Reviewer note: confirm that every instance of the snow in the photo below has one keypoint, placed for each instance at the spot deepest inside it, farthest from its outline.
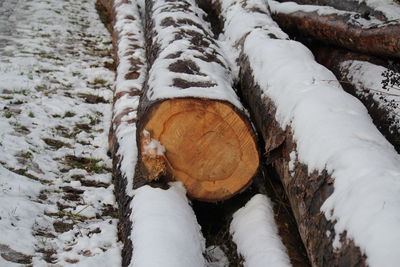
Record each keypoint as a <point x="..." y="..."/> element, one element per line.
<point x="292" y="162"/>
<point x="255" y="233"/>
<point x="165" y="229"/>
<point x="389" y="8"/>
<point x="333" y="132"/>
<point x="367" y="76"/>
<point x="354" y="17"/>
<point x="153" y="147"/>
<point x="53" y="138"/>
<point x="216" y="257"/>
<point x="161" y="78"/>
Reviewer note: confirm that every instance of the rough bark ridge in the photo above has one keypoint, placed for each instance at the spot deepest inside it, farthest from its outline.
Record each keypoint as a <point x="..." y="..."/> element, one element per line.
<point x="305" y="191"/>
<point x="188" y="105"/>
<point x="342" y="29"/>
<point x="382" y="116"/>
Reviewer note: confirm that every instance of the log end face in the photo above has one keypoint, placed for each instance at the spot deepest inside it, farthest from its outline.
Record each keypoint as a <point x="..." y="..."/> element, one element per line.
<point x="209" y="147"/>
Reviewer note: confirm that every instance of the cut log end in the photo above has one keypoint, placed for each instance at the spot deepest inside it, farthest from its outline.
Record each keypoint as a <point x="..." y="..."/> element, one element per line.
<point x="209" y="147"/>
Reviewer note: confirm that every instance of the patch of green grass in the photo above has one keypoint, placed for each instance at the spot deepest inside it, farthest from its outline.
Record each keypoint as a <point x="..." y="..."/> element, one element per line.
<point x="25" y="155"/>
<point x="69" y="114"/>
<point x="45" y="71"/>
<point x="6" y="97"/>
<point x="94" y="120"/>
<point x="21" y="92"/>
<point x="93" y="99"/>
<point x="55" y="144"/>
<point x="24" y="172"/>
<point x="65" y="132"/>
<point x="8" y="114"/>
<point x="19" y="128"/>
<point x="31" y="115"/>
<point x="89" y="164"/>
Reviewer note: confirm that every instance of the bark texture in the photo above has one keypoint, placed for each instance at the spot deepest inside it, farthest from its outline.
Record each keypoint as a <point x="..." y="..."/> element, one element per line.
<point x="380" y="40"/>
<point x="382" y="116"/>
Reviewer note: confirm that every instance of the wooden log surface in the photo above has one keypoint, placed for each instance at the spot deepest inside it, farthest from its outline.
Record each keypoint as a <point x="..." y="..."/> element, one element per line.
<point x="129" y="58"/>
<point x="364" y="8"/>
<point x="361" y="76"/>
<point x="271" y="78"/>
<point x="342" y="28"/>
<point x="190" y="110"/>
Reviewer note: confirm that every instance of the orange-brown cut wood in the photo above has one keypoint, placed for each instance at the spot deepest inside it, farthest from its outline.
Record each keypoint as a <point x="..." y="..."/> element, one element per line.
<point x="210" y="148"/>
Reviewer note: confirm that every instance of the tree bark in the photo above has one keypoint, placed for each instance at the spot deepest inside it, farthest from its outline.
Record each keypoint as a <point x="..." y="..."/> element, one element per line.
<point x="341" y="29"/>
<point x="384" y="112"/>
<point x="189" y="107"/>
<point x="306" y="191"/>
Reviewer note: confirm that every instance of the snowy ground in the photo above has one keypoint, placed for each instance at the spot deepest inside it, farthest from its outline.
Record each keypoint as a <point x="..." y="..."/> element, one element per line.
<point x="55" y="92"/>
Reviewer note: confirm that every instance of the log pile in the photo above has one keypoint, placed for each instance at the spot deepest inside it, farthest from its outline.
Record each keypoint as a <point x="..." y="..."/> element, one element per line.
<point x="270" y="91"/>
<point x="177" y="116"/>
<point x="357" y="30"/>
<point x="365" y="38"/>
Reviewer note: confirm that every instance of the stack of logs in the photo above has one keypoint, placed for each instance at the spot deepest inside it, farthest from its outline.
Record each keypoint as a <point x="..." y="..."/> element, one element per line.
<point x="343" y="33"/>
<point x="191" y="126"/>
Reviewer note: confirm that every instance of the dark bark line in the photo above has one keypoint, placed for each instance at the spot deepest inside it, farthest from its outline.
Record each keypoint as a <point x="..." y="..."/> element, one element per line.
<point x="348" y="5"/>
<point x="123" y="114"/>
<point x="381" y="40"/>
<point x="306" y="192"/>
<point x="385" y="120"/>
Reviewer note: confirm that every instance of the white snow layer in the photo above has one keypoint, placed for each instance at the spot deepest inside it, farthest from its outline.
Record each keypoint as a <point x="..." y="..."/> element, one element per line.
<point x="166" y="233"/>
<point x="153" y="147"/>
<point x="256" y="235"/>
<point x="333" y="131"/>
<point x="130" y="49"/>
<point x="161" y="79"/>
<point x="367" y="76"/>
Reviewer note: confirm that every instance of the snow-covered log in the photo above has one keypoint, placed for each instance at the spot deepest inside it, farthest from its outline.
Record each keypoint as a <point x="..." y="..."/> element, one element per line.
<point x="128" y="42"/>
<point x="385" y="10"/>
<point x="165" y="230"/>
<point x="363" y="77"/>
<point x="192" y="125"/>
<point x="255" y="233"/>
<point x="347" y="29"/>
<point x="341" y="175"/>
<point x="157" y="227"/>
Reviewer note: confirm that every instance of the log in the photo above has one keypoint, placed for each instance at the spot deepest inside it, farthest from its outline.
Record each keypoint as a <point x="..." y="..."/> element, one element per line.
<point x="383" y="10"/>
<point x="192" y="127"/>
<point x="362" y="76"/>
<point x="129" y="57"/>
<point x="341" y="28"/>
<point x="311" y="129"/>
